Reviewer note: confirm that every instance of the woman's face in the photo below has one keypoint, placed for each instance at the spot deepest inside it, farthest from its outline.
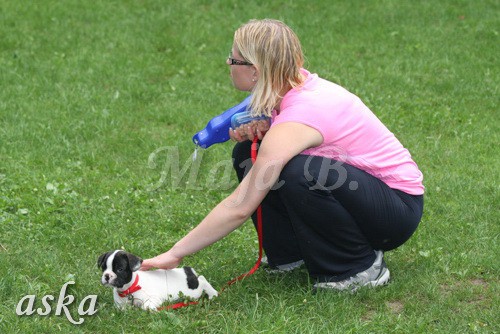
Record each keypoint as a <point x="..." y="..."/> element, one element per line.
<point x="244" y="76"/>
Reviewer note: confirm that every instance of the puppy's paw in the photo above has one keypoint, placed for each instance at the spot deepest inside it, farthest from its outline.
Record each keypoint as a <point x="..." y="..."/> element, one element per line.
<point x="213" y="294"/>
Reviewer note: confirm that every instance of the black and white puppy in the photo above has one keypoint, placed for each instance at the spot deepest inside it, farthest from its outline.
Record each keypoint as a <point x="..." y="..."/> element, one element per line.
<point x="149" y="289"/>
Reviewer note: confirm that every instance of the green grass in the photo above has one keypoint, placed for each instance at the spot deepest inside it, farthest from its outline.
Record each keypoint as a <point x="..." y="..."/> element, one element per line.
<point x="89" y="90"/>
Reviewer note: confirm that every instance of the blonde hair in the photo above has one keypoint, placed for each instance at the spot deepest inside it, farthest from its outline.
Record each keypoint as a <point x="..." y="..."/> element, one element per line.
<point x="275" y="51"/>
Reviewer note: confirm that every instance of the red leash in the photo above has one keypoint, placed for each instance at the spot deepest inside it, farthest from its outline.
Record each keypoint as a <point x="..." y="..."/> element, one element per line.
<point x="176" y="306"/>
<point x="253" y="154"/>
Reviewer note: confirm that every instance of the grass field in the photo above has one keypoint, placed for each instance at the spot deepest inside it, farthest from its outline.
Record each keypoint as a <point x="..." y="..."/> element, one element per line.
<point x="94" y="96"/>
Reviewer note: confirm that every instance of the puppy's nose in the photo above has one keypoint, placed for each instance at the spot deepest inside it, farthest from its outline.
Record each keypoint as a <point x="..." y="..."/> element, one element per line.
<point x="106" y="277"/>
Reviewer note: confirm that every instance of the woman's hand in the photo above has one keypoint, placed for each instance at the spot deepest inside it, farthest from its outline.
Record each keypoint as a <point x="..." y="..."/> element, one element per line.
<point x="249" y="130"/>
<point x="163" y="261"/>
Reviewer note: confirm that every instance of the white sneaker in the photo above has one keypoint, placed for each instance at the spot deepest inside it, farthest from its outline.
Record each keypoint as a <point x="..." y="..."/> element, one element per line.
<point x="281" y="268"/>
<point x="376" y="275"/>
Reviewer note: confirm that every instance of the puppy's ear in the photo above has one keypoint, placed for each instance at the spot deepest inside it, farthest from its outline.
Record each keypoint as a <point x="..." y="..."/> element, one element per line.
<point x="102" y="260"/>
<point x="134" y="262"/>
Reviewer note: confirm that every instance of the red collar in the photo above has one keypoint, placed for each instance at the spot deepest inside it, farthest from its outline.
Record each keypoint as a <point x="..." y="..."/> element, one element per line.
<point x="133" y="288"/>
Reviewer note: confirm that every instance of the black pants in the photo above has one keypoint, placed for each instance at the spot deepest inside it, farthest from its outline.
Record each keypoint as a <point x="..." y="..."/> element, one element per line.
<point x="330" y="214"/>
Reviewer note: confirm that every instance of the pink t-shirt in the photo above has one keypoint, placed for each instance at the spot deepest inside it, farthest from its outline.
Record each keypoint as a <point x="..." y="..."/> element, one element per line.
<point x="351" y="132"/>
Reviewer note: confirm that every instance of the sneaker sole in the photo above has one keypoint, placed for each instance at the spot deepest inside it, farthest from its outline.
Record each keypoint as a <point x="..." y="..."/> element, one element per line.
<point x="287" y="268"/>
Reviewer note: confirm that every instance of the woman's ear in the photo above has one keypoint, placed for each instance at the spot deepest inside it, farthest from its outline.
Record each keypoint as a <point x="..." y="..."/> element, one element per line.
<point x="255" y="74"/>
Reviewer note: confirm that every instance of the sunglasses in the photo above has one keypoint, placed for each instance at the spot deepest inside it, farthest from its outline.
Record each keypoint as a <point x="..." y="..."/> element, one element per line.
<point x="232" y="61"/>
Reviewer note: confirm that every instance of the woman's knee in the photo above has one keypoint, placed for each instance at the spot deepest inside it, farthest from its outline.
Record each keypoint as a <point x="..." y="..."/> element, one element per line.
<point x="241" y="152"/>
<point x="241" y="158"/>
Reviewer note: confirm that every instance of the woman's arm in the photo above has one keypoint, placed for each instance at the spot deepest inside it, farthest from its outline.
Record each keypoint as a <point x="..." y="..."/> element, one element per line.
<point x="280" y="144"/>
